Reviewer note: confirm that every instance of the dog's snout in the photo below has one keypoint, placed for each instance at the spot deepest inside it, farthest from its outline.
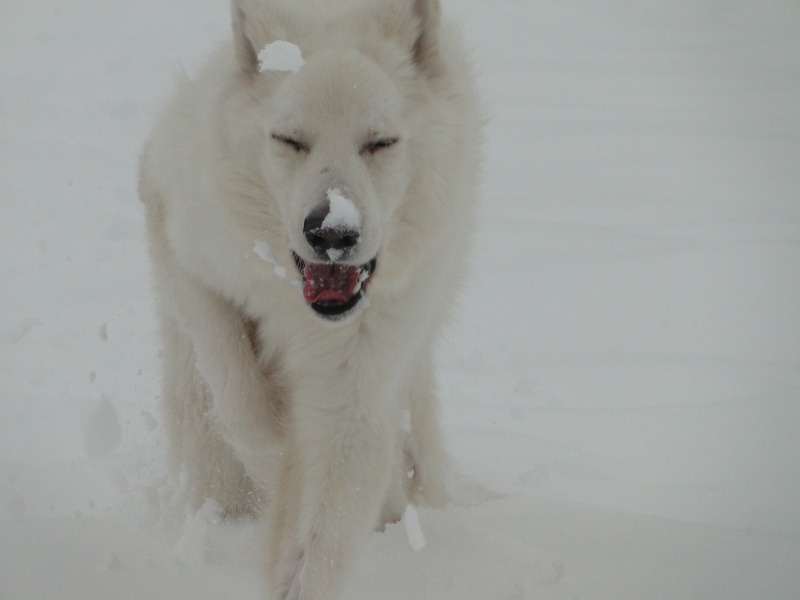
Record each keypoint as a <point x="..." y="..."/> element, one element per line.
<point x="326" y="235"/>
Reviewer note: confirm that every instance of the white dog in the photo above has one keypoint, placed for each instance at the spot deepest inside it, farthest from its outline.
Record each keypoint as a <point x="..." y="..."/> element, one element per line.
<point x="310" y="215"/>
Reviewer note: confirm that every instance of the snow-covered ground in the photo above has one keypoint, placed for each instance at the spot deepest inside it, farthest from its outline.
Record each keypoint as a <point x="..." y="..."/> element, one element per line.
<point x="621" y="391"/>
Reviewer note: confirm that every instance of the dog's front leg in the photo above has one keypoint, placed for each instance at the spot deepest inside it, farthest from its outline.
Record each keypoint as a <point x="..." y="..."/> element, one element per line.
<point x="243" y="398"/>
<point x="336" y="476"/>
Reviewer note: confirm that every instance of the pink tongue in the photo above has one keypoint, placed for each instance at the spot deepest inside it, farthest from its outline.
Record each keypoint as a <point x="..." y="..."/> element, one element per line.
<point x="329" y="283"/>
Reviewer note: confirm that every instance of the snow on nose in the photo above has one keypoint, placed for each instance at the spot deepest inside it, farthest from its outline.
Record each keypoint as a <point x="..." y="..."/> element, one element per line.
<point x="342" y="213"/>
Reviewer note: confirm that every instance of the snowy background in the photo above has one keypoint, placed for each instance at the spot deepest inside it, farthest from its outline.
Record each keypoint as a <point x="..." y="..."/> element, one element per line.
<point x="621" y="391"/>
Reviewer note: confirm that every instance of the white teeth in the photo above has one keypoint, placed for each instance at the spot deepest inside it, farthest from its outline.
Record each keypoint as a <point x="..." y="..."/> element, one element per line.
<point x="363" y="275"/>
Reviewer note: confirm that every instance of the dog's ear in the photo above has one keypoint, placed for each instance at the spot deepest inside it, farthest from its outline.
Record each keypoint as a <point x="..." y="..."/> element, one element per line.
<point x="418" y="23"/>
<point x="246" y="53"/>
<point x="426" y="46"/>
<point x="255" y="24"/>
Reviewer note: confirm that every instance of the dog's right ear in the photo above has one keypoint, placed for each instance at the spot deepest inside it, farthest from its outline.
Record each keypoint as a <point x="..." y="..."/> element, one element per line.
<point x="417" y="24"/>
<point x="246" y="53"/>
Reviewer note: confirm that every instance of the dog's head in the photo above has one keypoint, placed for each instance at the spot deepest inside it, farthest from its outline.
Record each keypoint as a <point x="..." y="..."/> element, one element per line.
<point x="336" y="128"/>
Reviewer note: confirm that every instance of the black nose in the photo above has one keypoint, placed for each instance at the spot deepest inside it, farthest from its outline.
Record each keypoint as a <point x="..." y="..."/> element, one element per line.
<point x="323" y="238"/>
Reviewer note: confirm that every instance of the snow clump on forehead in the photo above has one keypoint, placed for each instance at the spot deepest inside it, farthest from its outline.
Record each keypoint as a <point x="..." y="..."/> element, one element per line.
<point x="280" y="56"/>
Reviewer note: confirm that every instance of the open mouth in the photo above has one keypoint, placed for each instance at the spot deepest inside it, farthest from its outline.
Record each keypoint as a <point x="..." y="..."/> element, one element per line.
<point x="333" y="290"/>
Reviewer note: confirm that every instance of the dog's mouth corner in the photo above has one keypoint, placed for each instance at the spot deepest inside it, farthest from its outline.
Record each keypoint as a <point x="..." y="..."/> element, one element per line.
<point x="333" y="290"/>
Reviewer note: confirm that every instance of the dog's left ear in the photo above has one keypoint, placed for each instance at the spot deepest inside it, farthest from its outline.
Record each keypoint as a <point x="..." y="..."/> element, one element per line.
<point x="256" y="23"/>
<point x="418" y="23"/>
<point x="426" y="46"/>
<point x="246" y="53"/>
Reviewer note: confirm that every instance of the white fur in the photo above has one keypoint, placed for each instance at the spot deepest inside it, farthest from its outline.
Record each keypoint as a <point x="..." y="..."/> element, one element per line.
<point x="267" y="404"/>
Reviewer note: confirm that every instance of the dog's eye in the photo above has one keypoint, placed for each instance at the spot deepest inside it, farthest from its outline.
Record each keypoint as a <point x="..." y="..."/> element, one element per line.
<point x="374" y="146"/>
<point x="293" y="143"/>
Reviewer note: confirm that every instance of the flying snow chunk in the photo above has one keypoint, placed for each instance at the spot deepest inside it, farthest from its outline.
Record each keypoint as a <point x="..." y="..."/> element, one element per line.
<point x="343" y="213"/>
<point x="264" y="252"/>
<point x="413" y="528"/>
<point x="280" y="56"/>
